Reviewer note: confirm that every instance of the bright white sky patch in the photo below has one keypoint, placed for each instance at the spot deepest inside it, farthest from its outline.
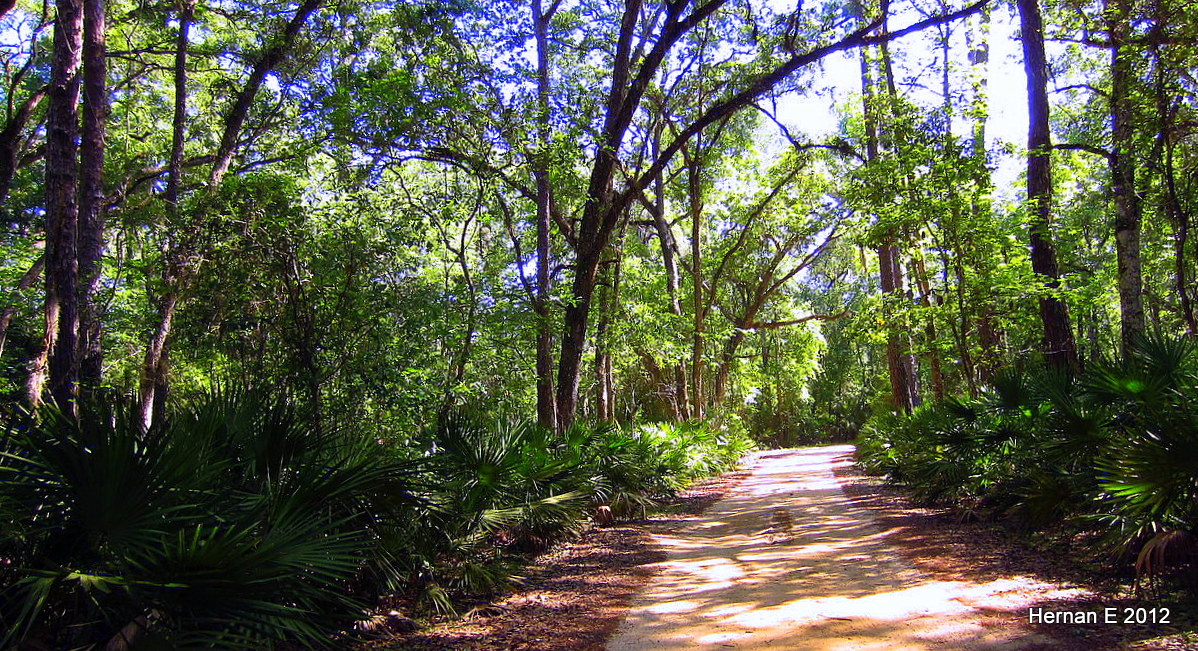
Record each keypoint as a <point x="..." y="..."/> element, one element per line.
<point x="814" y="115"/>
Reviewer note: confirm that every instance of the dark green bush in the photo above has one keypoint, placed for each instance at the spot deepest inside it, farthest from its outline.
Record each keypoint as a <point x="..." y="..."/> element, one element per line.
<point x="233" y="525"/>
<point x="497" y="490"/>
<point x="1113" y="451"/>
<point x="238" y="524"/>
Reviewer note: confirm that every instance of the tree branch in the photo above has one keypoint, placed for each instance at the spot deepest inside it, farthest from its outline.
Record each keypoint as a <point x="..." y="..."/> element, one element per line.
<point x="765" y="83"/>
<point x="1091" y="149"/>
<point x="757" y="325"/>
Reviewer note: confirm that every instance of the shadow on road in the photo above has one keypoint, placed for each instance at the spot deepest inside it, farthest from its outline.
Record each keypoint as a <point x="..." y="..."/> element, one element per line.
<point x="787" y="561"/>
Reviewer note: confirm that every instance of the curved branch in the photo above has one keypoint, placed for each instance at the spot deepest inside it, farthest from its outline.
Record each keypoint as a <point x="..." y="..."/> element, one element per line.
<point x="1090" y="149"/>
<point x="782" y="324"/>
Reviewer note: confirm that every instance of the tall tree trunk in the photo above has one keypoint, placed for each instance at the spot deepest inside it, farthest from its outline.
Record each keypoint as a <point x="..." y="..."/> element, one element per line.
<point x="1059" y="347"/>
<point x="978" y="41"/>
<point x="908" y="376"/>
<point x="695" y="198"/>
<point x="57" y="355"/>
<point x="1181" y="226"/>
<point x="91" y="192"/>
<point x="574" y="331"/>
<point x="899" y="360"/>
<point x="961" y="325"/>
<point x="1123" y="175"/>
<point x="546" y="406"/>
<point x="665" y="236"/>
<point x="606" y="379"/>
<point x="888" y="269"/>
<point x="928" y="300"/>
<point x="602" y="353"/>
<point x="154" y="368"/>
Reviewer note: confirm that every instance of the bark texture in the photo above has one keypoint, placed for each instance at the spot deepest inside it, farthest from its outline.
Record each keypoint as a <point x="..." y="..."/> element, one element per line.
<point x="1058" y="344"/>
<point x="1123" y="176"/>
<point x="91" y="192"/>
<point x="56" y="361"/>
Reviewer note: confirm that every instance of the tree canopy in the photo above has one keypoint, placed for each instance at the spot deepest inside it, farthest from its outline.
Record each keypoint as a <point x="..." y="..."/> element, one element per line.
<point x="587" y="210"/>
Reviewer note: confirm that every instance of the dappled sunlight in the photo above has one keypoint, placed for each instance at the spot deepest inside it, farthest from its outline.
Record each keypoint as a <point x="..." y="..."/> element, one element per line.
<point x="679" y="606"/>
<point x="787" y="561"/>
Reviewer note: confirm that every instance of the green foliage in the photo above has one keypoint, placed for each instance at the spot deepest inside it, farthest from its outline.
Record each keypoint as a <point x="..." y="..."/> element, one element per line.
<point x="373" y="250"/>
<point x="497" y="490"/>
<point x="233" y="525"/>
<point x="238" y="523"/>
<point x="689" y="450"/>
<point x="1112" y="451"/>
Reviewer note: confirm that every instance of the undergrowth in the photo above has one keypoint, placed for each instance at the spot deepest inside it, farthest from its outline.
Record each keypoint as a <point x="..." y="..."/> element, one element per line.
<point x="1108" y="457"/>
<point x="238" y="523"/>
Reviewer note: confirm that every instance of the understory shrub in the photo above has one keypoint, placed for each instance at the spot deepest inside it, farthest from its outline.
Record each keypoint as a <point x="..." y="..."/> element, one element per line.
<point x="232" y="525"/>
<point x="239" y="524"/>
<point x="501" y="489"/>
<point x="682" y="452"/>
<point x="1112" y="451"/>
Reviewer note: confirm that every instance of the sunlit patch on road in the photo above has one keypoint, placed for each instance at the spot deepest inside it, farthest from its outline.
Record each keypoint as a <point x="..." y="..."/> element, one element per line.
<point x="832" y="581"/>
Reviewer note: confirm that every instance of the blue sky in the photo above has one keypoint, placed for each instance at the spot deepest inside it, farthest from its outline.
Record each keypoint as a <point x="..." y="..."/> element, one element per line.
<point x="815" y="115"/>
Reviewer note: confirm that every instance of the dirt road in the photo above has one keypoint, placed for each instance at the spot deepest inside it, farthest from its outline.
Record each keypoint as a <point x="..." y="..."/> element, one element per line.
<point x="787" y="561"/>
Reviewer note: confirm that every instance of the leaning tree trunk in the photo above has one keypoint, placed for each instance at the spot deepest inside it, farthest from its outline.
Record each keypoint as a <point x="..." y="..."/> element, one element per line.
<point x="154" y="368"/>
<point x="1058" y="345"/>
<point x="56" y="360"/>
<point x="281" y="45"/>
<point x="182" y="261"/>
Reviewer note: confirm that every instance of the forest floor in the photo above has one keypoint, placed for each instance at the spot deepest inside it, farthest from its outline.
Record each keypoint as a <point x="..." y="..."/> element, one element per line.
<point x="801" y="552"/>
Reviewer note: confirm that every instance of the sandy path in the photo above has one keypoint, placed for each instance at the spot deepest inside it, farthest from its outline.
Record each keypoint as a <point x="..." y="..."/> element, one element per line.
<point x="787" y="561"/>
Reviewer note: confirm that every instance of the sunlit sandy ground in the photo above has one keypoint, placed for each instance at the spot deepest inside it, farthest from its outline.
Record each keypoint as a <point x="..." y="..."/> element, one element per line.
<point x="786" y="561"/>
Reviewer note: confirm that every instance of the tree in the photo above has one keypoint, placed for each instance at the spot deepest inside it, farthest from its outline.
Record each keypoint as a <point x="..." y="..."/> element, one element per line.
<point x="604" y="204"/>
<point x="182" y="255"/>
<point x="1123" y="173"/>
<point x="1058" y="345"/>
<point x="57" y="361"/>
<point x="91" y="191"/>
